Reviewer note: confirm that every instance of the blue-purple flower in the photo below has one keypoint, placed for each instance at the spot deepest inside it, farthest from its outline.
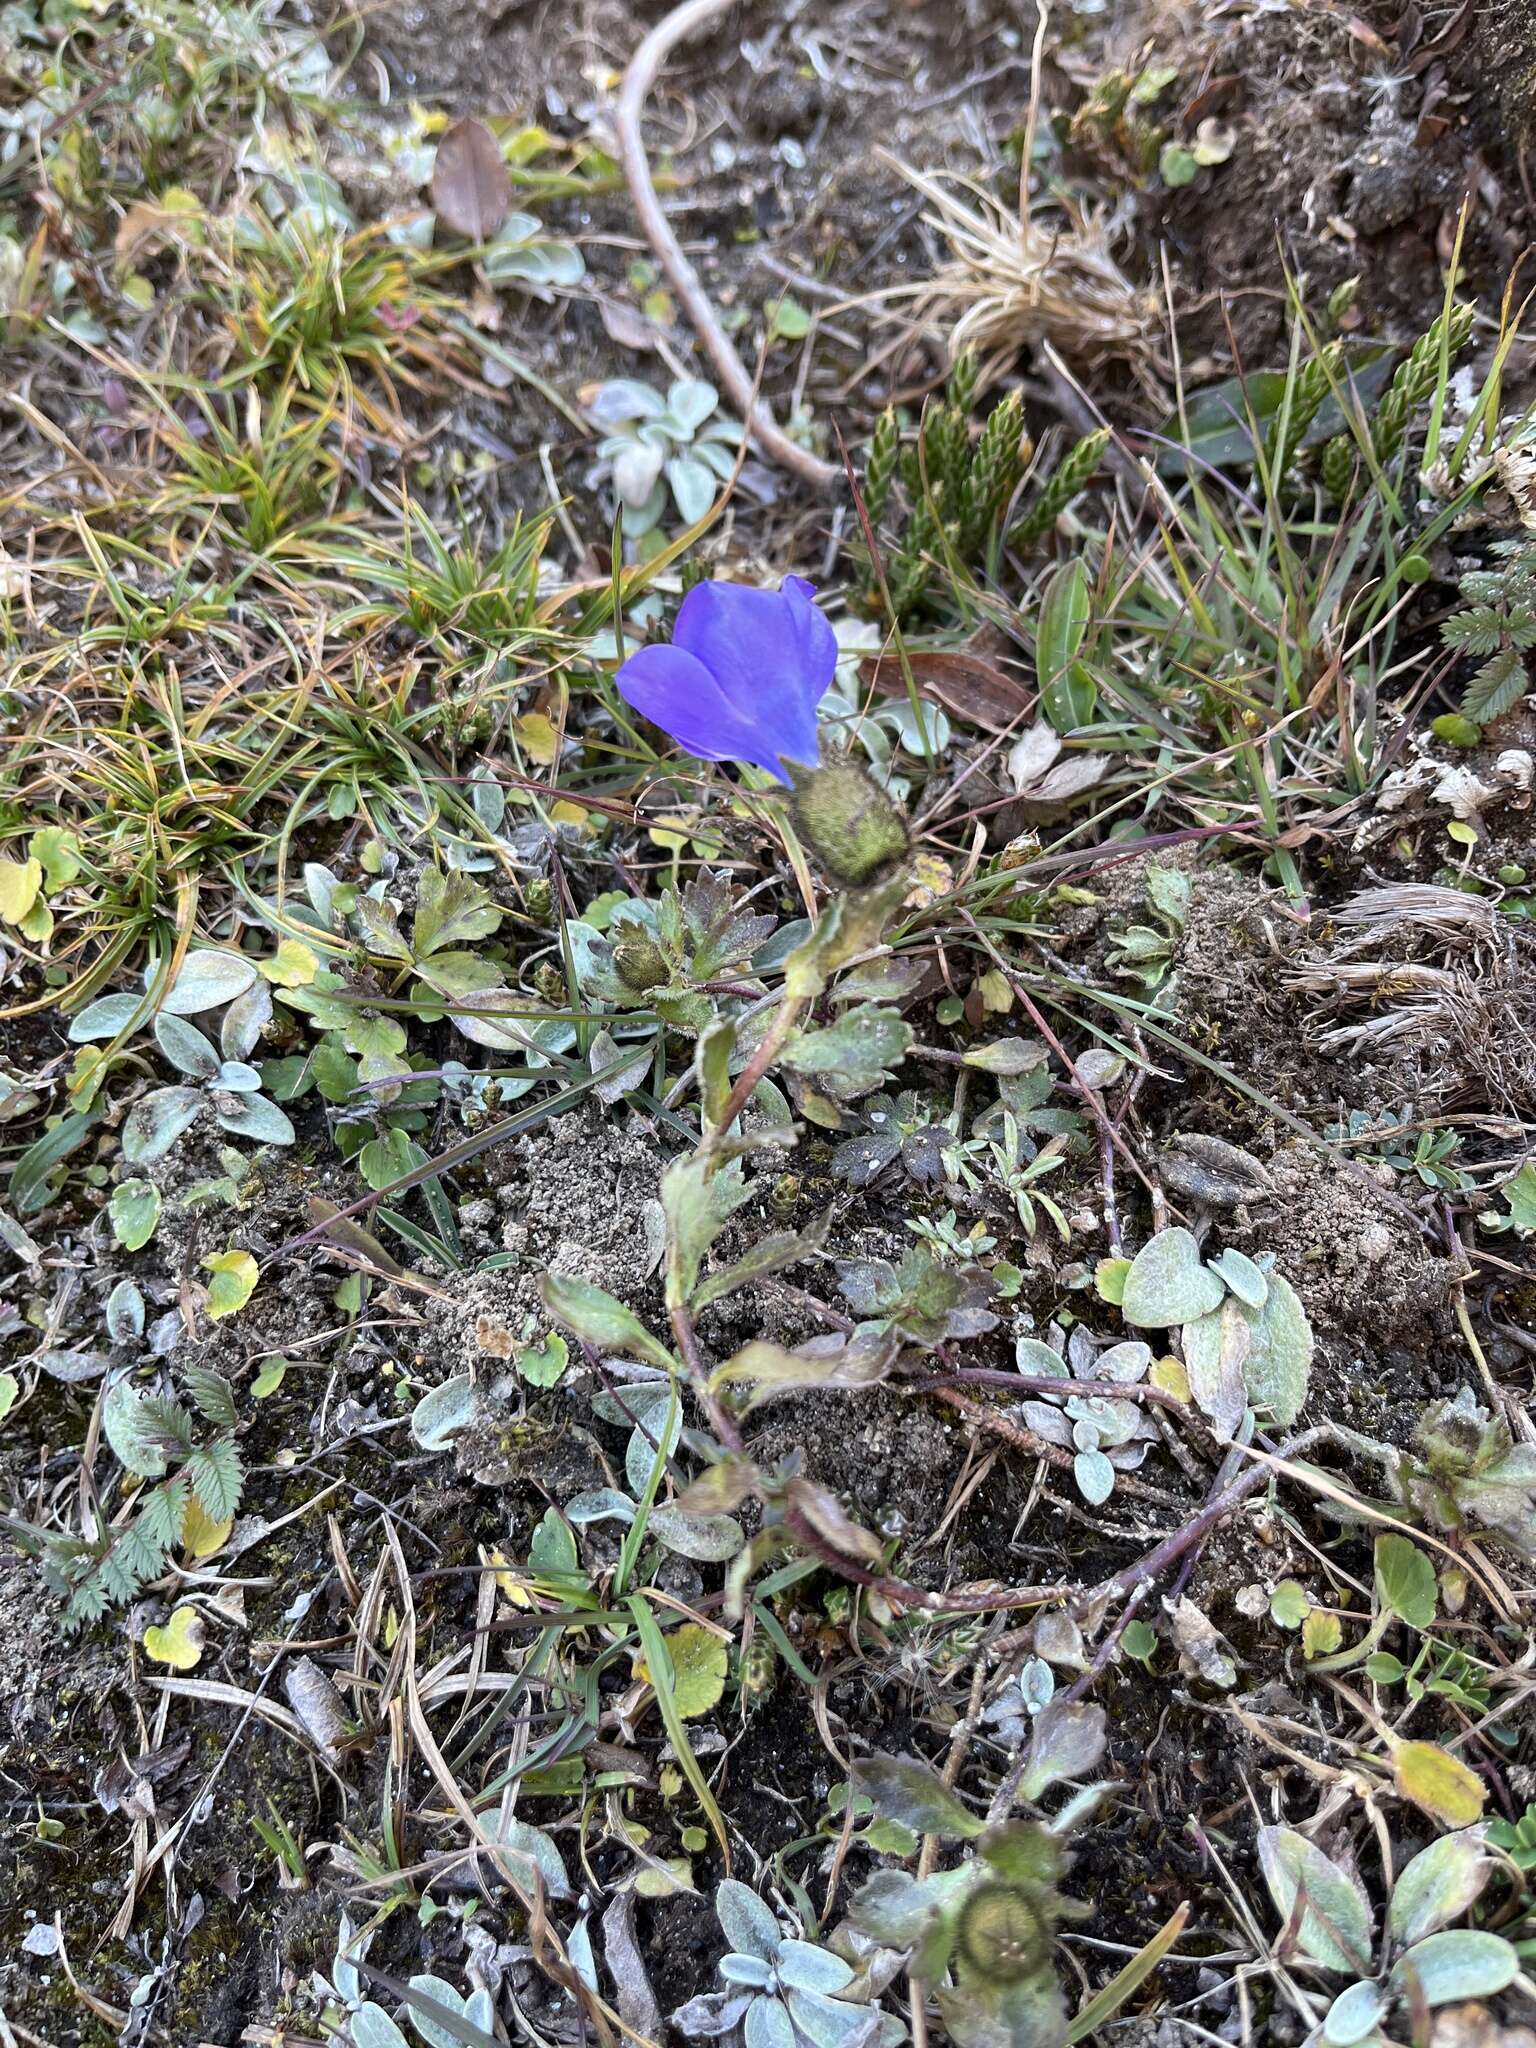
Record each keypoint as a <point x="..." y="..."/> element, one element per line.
<point x="742" y="677"/>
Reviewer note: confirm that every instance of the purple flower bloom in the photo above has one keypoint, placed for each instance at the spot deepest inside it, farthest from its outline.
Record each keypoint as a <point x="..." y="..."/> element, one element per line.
<point x="743" y="675"/>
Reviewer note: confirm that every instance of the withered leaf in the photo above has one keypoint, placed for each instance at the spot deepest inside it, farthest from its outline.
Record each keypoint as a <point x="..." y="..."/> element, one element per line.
<point x="971" y="689"/>
<point x="471" y="189"/>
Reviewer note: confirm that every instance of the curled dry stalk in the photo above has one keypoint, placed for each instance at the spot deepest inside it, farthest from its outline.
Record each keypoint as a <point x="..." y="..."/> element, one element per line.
<point x="740" y="387"/>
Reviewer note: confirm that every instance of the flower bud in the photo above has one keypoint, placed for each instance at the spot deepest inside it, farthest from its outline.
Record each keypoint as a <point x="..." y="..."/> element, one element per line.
<point x="847" y="820"/>
<point x="640" y="964"/>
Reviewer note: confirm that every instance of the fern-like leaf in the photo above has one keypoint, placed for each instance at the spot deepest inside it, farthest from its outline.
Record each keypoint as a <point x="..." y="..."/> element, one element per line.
<point x="1497" y="686"/>
<point x="217" y="1478"/>
<point x="214" y="1396"/>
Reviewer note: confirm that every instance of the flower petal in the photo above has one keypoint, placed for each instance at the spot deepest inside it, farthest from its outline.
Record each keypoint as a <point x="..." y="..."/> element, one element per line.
<point x="674" y="689"/>
<point x="771" y="652"/>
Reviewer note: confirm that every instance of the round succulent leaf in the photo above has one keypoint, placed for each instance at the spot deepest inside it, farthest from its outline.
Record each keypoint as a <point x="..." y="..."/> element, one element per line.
<point x="747" y="1923"/>
<point x="157" y="1120"/>
<point x="371" y="2027"/>
<point x="1095" y="1477"/>
<point x="1280" y="1355"/>
<point x="693" y="486"/>
<point x="1463" y="1962"/>
<point x="802" y="1966"/>
<point x="207" y="980"/>
<point x="1439" y="1885"/>
<point x="188" y="1051"/>
<point x="768" y="2025"/>
<point x="1354" y="2013"/>
<point x="752" y="1970"/>
<point x="442" y="1411"/>
<point x="601" y="1504"/>
<point x="237" y="1077"/>
<point x="1168" y="1283"/>
<point x="442" y="1993"/>
<point x="254" y="1116"/>
<point x="1242" y="1277"/>
<point x="1126" y="1364"/>
<point x="1038" y="1360"/>
<point x="104" y="1018"/>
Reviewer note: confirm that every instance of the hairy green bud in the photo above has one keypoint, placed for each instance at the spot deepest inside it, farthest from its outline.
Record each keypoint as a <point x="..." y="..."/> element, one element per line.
<point x="854" y="829"/>
<point x="640" y="964"/>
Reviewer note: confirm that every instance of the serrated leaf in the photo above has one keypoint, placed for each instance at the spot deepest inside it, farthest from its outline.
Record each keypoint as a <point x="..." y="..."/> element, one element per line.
<point x="212" y="1393"/>
<point x="213" y="1471"/>
<point x="697" y="1201"/>
<point x="1496" y="687"/>
<point x="450" y="910"/>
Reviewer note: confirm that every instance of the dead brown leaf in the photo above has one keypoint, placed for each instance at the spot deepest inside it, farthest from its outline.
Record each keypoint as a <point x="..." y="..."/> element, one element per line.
<point x="471" y="189"/>
<point x="971" y="689"/>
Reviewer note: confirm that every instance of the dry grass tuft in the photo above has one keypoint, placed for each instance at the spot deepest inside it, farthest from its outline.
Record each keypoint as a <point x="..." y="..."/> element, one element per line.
<point x="1042" y="274"/>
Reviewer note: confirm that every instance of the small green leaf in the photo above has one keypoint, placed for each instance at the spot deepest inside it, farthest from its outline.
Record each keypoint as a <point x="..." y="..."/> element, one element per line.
<point x="552" y="1550"/>
<point x="604" y="1322"/>
<point x="542" y="1364"/>
<point x="1288" y="1604"/>
<point x="908" y="1791"/>
<point x="235" y="1274"/>
<point x="789" y="321"/>
<point x="1068" y="694"/>
<point x="1167" y="1284"/>
<point x="1405" y="1581"/>
<point x="134" y="1212"/>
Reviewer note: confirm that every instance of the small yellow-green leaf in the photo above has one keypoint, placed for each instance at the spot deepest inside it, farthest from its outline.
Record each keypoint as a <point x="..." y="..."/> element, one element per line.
<point x="10" y="1387"/>
<point x="1288" y="1604"/>
<point x="179" y="1643"/>
<point x="1169" y="1377"/>
<point x="234" y="1280"/>
<point x="1321" y="1634"/>
<point x="201" y="1536"/>
<point x="1438" y="1783"/>
<point x="20" y="881"/>
<point x="59" y="852"/>
<point x="1109" y="1280"/>
<point x="698" y="1669"/>
<point x="293" y="965"/>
